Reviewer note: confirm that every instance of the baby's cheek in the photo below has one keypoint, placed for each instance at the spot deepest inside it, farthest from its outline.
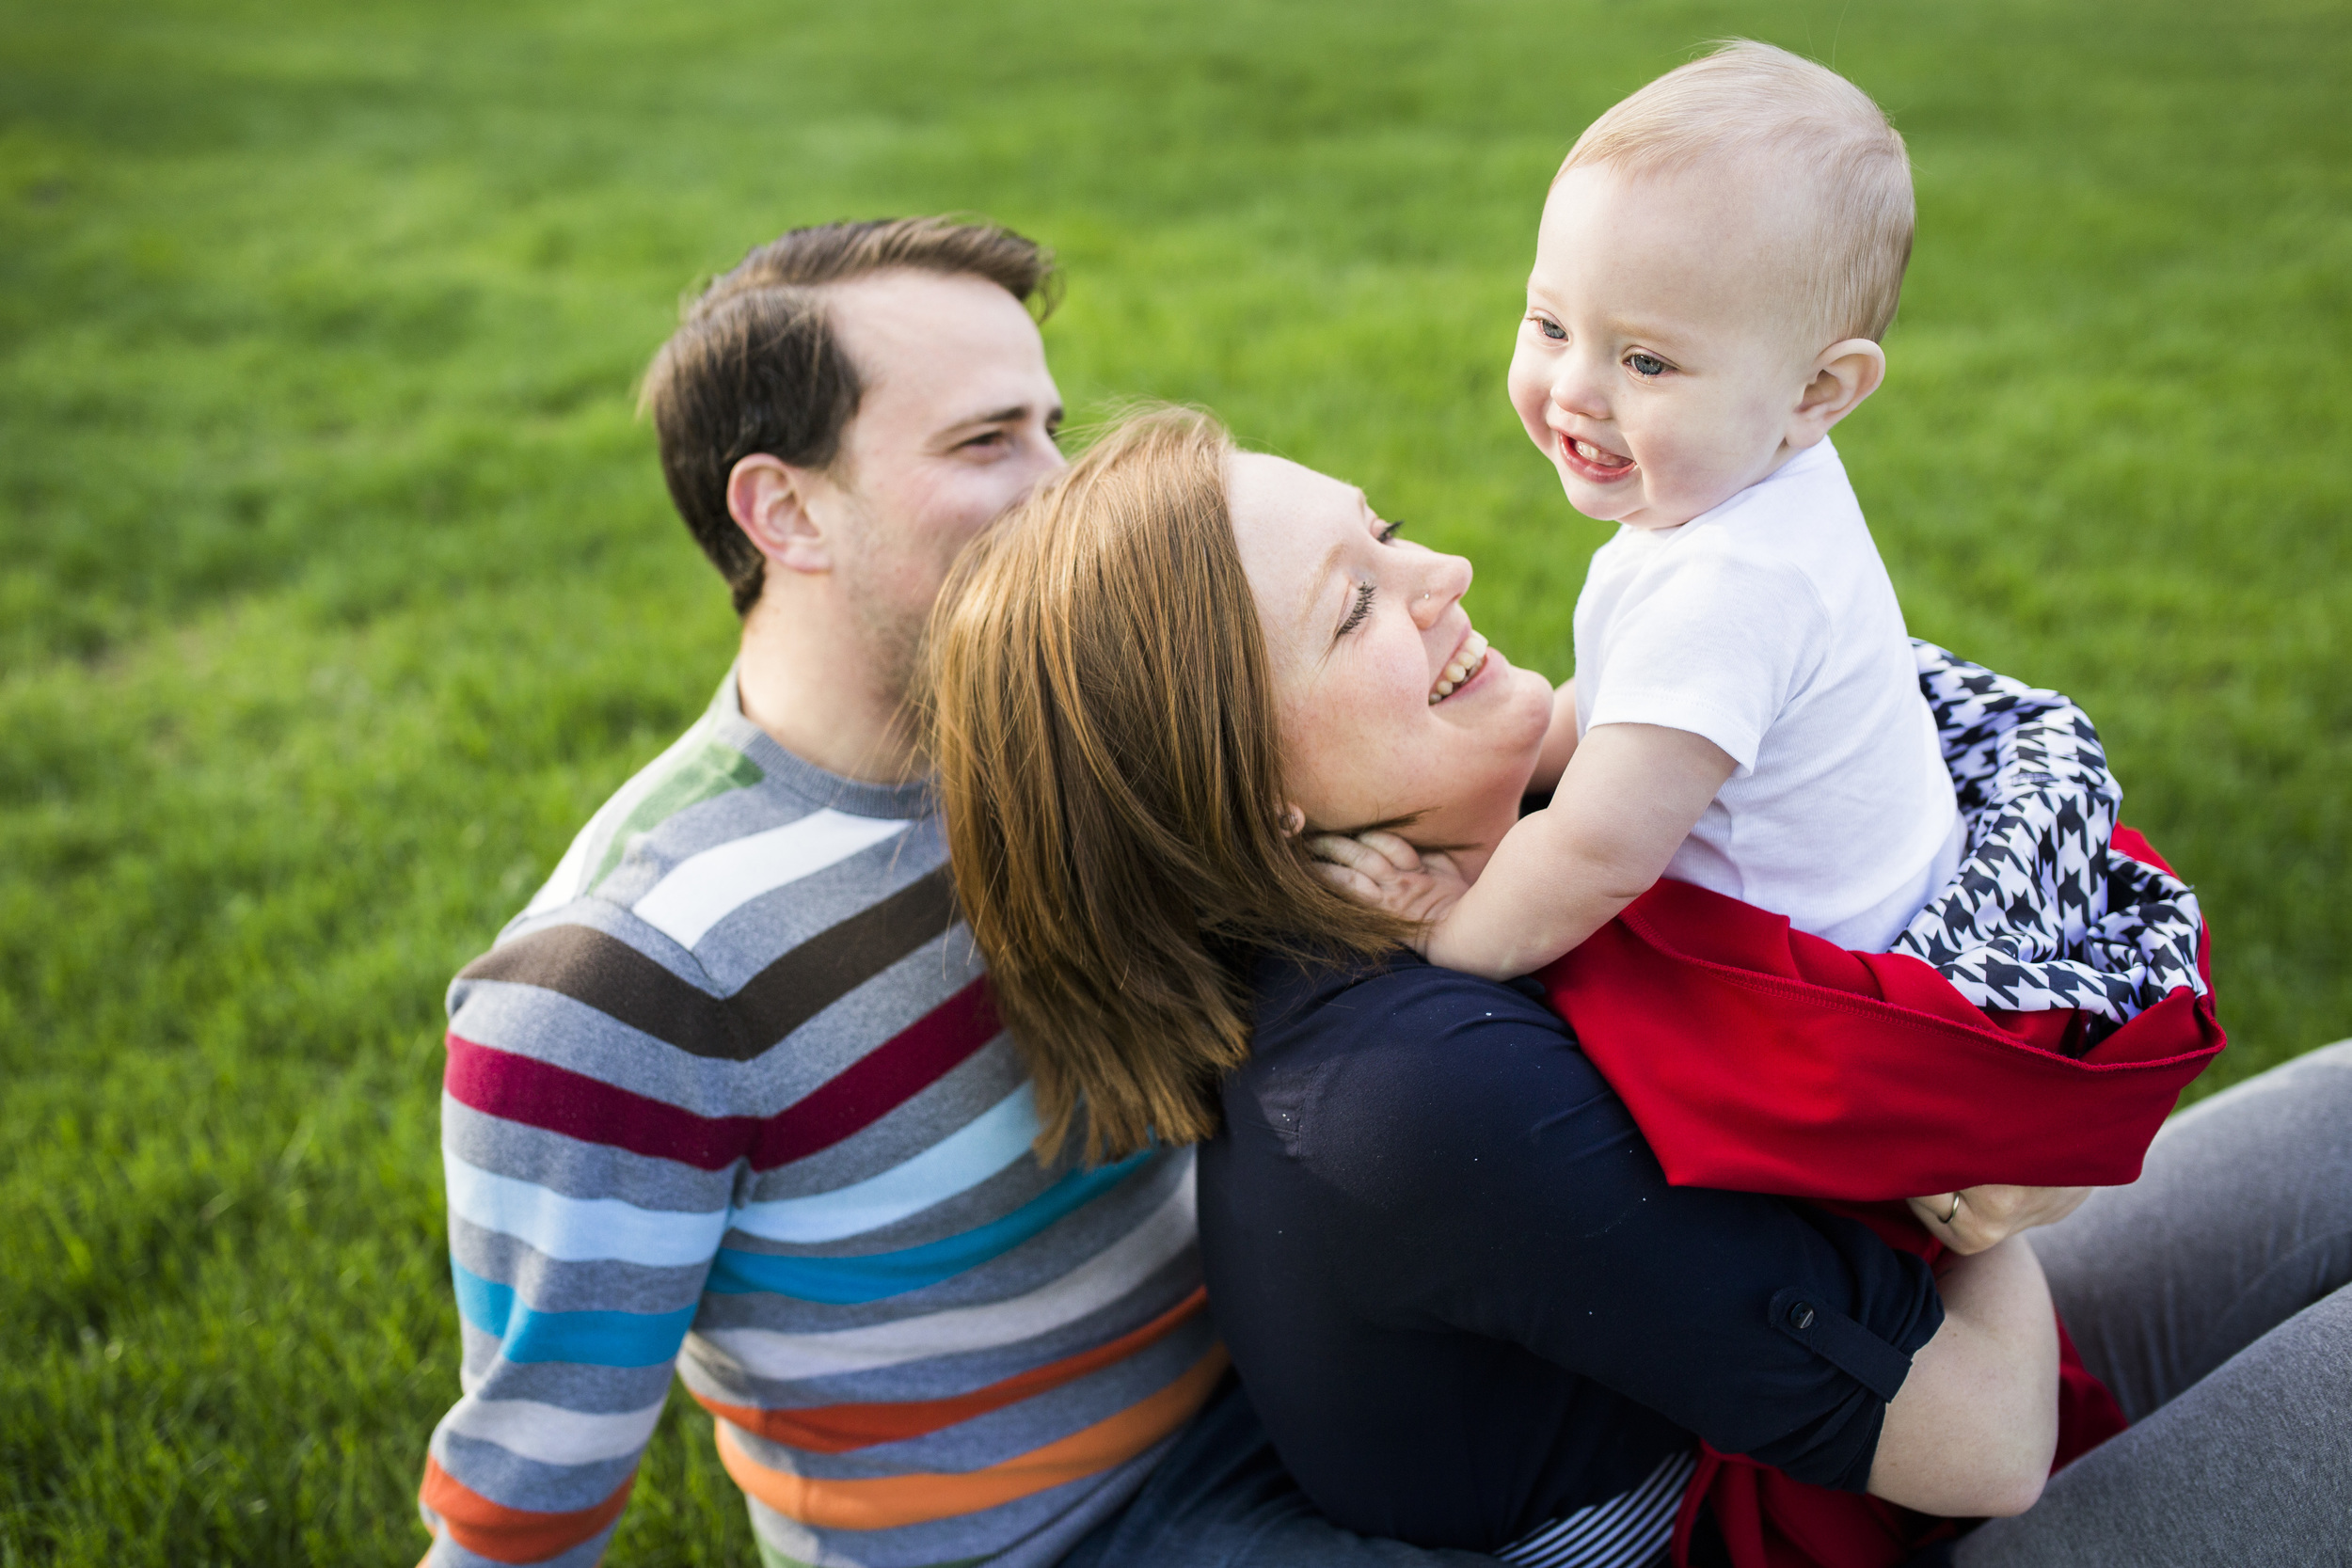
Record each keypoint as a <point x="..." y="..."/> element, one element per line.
<point x="1526" y="389"/>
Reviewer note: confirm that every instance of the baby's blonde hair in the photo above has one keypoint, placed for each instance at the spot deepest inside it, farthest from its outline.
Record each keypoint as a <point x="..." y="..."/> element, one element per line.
<point x="1749" y="98"/>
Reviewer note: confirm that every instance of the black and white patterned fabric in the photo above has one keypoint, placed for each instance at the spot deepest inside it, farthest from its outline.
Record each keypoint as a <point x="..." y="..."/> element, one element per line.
<point x="2041" y="914"/>
<point x="1628" y="1531"/>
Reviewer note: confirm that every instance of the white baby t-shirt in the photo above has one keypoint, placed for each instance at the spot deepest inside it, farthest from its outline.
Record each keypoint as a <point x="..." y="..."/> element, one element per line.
<point x="1769" y="625"/>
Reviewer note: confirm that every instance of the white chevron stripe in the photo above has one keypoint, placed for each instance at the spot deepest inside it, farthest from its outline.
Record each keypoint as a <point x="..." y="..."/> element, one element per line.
<point x="550" y="1434"/>
<point x="564" y="883"/>
<point x="572" y="1229"/>
<point x="956" y="1163"/>
<point x="702" y="889"/>
<point x="1101" y="1280"/>
<point x="1628" y="1530"/>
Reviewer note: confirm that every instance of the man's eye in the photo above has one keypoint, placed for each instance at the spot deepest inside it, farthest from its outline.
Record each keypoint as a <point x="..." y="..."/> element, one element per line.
<point x="1647" y="364"/>
<point x="1552" y="329"/>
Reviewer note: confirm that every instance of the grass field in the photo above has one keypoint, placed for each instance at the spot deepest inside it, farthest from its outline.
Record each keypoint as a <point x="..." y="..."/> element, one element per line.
<point x="337" y="585"/>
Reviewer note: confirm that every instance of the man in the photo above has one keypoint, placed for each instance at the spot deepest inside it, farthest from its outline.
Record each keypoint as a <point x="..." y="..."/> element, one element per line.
<point x="728" y="1098"/>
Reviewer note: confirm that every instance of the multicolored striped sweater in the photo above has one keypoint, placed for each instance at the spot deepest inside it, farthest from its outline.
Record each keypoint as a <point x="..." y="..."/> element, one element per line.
<point x="728" y="1096"/>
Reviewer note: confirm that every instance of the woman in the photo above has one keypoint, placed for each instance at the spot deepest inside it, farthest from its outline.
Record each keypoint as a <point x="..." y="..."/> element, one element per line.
<point x="1464" y="1300"/>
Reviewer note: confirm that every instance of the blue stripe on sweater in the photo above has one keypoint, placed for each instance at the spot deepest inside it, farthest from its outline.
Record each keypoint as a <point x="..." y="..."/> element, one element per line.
<point x="595" y="1339"/>
<point x="844" y="1281"/>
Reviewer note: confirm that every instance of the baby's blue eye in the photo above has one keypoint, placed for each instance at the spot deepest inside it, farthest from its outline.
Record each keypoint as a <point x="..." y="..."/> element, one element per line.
<point x="1553" y="330"/>
<point x="1647" y="364"/>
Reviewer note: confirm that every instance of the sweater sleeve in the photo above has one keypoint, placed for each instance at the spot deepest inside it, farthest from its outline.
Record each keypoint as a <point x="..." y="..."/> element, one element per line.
<point x="584" y="1213"/>
<point x="1509" y="1194"/>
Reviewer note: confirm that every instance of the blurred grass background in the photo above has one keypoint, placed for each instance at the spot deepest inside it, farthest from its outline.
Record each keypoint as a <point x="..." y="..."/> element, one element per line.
<point x="337" y="584"/>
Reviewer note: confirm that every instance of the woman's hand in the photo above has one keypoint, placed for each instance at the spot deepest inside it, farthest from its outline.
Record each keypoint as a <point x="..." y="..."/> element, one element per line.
<point x="1384" y="871"/>
<point x="1977" y="1218"/>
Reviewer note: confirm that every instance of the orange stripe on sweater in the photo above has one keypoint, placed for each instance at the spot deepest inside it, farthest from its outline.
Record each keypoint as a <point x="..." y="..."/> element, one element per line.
<point x="886" y="1502"/>
<point x="839" y="1428"/>
<point x="505" y="1534"/>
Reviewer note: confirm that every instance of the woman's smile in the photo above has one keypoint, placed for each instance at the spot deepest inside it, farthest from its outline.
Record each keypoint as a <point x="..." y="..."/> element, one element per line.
<point x="1468" y="663"/>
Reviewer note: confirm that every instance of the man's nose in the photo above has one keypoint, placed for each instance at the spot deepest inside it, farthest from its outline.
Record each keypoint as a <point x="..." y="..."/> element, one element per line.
<point x="1446" y="579"/>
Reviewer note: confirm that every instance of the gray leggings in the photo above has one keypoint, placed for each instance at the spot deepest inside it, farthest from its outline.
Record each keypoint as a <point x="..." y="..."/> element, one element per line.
<point x="2215" y="1297"/>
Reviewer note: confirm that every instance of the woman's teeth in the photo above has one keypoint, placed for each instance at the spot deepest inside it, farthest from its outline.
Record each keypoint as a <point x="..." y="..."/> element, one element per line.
<point x="1465" y="664"/>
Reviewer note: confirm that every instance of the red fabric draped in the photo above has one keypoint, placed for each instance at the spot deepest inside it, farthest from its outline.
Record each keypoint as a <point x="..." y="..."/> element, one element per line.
<point x="1782" y="1064"/>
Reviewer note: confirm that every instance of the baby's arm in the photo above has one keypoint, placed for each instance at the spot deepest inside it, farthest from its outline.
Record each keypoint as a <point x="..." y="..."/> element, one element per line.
<point x="1630" y="796"/>
<point x="1559" y="741"/>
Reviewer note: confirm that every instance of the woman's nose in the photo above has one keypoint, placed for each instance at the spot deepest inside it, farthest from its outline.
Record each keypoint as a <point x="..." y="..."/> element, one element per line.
<point x="1447" y="579"/>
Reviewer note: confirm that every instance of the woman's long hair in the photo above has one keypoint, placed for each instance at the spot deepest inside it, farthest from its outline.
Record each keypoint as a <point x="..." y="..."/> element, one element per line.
<point x="1103" y="723"/>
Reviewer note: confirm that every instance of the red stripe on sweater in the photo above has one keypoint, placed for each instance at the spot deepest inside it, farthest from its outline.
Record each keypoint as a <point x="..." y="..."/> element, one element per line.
<point x="539" y="1094"/>
<point x="881" y="1081"/>
<point x="516" y="1535"/>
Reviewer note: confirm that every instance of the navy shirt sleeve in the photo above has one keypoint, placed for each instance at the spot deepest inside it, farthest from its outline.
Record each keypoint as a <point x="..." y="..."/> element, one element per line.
<point x="1441" y="1159"/>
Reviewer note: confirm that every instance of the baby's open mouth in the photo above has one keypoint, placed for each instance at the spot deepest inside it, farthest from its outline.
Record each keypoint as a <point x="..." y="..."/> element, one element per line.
<point x="1593" y="463"/>
<point x="1466" y="661"/>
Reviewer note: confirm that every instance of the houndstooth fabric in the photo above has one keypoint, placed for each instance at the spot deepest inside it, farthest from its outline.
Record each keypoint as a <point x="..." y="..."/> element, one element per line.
<point x="2039" y="914"/>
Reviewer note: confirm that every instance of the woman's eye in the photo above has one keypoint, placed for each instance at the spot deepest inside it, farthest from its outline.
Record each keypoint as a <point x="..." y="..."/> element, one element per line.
<point x="1362" y="609"/>
<point x="1389" y="532"/>
<point x="1647" y="364"/>
<point x="1552" y="329"/>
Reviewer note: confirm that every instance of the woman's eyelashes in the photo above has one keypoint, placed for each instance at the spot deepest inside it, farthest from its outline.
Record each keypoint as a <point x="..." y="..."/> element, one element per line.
<point x="1361" y="607"/>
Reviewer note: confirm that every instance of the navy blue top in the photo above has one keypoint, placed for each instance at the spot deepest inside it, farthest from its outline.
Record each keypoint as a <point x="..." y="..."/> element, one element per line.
<point x="1464" y="1299"/>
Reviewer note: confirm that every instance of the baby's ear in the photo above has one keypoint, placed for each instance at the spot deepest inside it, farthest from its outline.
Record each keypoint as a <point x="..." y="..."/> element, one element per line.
<point x="1843" y="374"/>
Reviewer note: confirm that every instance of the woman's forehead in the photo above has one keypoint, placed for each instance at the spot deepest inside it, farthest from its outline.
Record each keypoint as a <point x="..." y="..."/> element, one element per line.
<point x="1289" y="514"/>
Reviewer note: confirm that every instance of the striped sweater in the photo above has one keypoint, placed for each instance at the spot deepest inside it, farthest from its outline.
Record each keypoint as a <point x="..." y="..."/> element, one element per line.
<point x="729" y="1098"/>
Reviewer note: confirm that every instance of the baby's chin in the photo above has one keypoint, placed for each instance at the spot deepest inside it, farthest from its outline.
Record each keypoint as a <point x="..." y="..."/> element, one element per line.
<point x="1602" y="505"/>
<point x="1628" y="507"/>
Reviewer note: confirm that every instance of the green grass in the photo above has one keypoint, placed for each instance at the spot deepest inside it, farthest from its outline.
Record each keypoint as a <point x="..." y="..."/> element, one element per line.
<point x="337" y="584"/>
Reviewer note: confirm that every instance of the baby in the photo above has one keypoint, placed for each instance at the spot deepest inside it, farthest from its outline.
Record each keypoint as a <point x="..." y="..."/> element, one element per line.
<point x="1718" y="258"/>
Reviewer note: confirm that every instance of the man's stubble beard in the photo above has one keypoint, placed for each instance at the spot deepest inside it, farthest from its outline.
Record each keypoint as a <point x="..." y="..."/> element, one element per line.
<point x="889" y="634"/>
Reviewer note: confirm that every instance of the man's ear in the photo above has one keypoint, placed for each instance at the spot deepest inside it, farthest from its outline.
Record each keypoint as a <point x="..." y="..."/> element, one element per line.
<point x="1843" y="374"/>
<point x="769" y="498"/>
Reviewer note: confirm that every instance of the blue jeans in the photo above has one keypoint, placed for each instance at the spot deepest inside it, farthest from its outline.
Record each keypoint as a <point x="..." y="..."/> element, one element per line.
<point x="1221" y="1499"/>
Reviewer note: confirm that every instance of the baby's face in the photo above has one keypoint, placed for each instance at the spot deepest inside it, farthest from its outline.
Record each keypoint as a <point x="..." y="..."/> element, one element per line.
<point x="1663" y="355"/>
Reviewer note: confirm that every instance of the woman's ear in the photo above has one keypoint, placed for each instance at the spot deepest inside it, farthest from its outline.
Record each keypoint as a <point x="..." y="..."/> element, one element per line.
<point x="1293" y="820"/>
<point x="1843" y="373"/>
<point x="769" y="499"/>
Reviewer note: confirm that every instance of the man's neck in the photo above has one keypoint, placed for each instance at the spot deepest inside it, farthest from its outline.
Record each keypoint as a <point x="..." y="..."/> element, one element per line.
<point x="806" y="678"/>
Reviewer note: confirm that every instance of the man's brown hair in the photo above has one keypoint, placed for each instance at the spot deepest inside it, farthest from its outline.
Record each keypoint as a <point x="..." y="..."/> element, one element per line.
<point x="1102" y="721"/>
<point x="756" y="367"/>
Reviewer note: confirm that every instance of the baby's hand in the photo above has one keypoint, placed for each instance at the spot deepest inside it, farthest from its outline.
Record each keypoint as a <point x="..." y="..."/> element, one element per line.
<point x="1386" y="872"/>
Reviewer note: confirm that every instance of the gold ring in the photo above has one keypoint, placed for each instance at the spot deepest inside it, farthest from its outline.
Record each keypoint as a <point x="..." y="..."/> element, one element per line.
<point x="1955" y="1214"/>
